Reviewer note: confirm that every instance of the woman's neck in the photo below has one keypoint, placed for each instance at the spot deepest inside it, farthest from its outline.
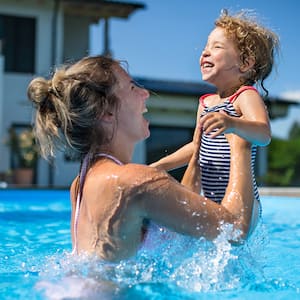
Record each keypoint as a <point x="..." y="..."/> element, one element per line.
<point x="113" y="158"/>
<point x="122" y="154"/>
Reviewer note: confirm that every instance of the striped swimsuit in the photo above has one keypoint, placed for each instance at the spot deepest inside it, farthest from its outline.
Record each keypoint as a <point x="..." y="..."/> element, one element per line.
<point x="215" y="154"/>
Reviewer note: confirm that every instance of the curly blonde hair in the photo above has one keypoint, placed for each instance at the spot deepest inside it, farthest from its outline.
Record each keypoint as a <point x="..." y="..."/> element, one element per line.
<point x="252" y="40"/>
<point x="69" y="104"/>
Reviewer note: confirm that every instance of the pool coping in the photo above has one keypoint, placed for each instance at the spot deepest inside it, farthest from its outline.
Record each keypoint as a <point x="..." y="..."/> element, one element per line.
<point x="280" y="191"/>
<point x="263" y="191"/>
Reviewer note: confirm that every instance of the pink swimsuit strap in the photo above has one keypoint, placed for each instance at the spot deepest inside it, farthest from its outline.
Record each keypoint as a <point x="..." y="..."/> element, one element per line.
<point x="233" y="97"/>
<point x="82" y="175"/>
<point x="118" y="162"/>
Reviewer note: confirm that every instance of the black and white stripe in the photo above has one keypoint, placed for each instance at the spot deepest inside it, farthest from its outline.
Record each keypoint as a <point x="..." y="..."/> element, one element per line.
<point x="215" y="159"/>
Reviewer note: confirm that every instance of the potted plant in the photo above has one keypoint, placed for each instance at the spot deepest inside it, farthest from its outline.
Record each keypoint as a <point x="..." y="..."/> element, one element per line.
<point x="24" y="154"/>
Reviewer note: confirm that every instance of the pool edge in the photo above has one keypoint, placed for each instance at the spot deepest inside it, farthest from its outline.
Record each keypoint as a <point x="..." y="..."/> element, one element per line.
<point x="280" y="191"/>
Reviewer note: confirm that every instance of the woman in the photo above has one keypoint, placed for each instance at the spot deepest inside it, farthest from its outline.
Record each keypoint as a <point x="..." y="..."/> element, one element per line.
<point x="95" y="108"/>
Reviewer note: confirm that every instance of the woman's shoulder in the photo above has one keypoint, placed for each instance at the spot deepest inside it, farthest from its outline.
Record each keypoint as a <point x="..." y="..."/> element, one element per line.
<point x="131" y="182"/>
<point x="137" y="179"/>
<point x="140" y="173"/>
<point x="127" y="176"/>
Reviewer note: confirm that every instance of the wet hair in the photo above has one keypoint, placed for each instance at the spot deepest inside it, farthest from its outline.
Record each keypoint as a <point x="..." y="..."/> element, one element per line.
<point x="70" y="104"/>
<point x="252" y="40"/>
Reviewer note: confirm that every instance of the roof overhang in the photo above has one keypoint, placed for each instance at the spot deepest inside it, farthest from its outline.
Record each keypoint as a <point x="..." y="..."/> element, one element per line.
<point x="176" y="87"/>
<point x="100" y="9"/>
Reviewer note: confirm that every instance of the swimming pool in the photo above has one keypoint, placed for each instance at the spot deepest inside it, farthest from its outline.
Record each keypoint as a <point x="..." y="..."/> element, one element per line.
<point x="35" y="260"/>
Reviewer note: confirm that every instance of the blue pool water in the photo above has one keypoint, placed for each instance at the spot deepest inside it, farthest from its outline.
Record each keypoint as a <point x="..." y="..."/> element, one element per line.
<point x="35" y="260"/>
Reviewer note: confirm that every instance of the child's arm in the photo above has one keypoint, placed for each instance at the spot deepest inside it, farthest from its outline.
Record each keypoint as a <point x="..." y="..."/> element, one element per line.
<point x="192" y="176"/>
<point x="183" y="155"/>
<point x="175" y="160"/>
<point x="254" y="125"/>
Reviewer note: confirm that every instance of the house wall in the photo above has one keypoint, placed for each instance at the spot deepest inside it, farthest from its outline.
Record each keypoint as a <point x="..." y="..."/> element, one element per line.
<point x="42" y="11"/>
<point x="75" y="47"/>
<point x="14" y="106"/>
<point x="172" y="110"/>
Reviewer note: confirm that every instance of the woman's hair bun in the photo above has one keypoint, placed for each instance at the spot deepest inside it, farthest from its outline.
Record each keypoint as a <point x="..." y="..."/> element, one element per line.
<point x="38" y="91"/>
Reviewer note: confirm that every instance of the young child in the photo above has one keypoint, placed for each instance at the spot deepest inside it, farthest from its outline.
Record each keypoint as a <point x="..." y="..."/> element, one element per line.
<point x="239" y="53"/>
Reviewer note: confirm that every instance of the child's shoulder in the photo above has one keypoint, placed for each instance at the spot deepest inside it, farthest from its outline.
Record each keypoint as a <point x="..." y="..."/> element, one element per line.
<point x="208" y="100"/>
<point x="243" y="91"/>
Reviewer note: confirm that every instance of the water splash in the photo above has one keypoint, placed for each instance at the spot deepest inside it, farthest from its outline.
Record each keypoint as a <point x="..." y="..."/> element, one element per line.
<point x="169" y="260"/>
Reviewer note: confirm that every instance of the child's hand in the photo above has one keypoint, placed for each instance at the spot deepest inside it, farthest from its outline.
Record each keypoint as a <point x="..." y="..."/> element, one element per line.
<point x="216" y="120"/>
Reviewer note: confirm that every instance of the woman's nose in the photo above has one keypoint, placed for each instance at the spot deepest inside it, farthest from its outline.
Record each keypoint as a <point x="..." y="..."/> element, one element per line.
<point x="145" y="93"/>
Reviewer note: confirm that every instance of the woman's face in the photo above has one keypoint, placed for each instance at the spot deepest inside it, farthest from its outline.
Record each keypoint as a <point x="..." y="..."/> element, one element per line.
<point x="130" y="117"/>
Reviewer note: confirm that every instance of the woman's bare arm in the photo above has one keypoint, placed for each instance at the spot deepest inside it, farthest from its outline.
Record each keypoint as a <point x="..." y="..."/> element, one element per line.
<point x="169" y="203"/>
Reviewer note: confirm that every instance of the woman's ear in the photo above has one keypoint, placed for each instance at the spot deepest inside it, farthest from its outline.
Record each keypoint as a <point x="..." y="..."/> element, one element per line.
<point x="248" y="64"/>
<point x="108" y="117"/>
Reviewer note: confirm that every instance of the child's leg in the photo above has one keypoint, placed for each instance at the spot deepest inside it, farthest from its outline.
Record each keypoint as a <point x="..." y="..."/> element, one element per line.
<point x="239" y="197"/>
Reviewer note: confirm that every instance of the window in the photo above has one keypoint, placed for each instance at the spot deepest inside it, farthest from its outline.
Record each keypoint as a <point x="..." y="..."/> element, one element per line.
<point x="17" y="35"/>
<point x="166" y="140"/>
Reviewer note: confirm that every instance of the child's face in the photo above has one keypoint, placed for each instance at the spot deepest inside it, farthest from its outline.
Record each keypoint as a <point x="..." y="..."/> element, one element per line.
<point x="219" y="61"/>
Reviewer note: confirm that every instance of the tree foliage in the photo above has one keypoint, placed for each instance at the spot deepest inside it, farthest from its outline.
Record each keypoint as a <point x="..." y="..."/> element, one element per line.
<point x="284" y="160"/>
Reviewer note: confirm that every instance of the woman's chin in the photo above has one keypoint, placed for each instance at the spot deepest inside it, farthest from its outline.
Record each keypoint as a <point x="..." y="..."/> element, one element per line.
<point x="146" y="129"/>
<point x="147" y="133"/>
